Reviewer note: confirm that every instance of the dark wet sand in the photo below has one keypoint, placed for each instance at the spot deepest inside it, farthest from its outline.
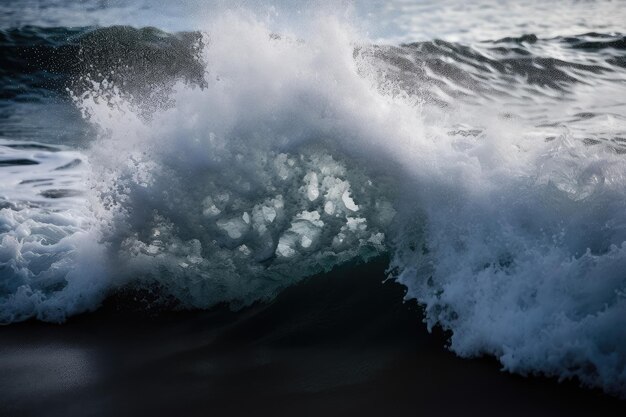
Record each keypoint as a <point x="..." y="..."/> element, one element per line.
<point x="340" y="344"/>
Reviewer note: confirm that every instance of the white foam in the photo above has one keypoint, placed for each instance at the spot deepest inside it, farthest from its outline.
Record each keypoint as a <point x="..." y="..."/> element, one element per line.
<point x="51" y="263"/>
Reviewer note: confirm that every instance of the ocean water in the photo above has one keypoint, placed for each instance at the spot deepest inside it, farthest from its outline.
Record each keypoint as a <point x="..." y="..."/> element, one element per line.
<point x="210" y="153"/>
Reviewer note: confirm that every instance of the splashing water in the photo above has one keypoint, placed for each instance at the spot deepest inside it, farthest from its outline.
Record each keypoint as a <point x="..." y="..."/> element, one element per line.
<point x="494" y="176"/>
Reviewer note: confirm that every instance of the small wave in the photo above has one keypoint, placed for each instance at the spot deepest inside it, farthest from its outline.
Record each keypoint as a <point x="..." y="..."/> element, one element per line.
<point x="35" y="58"/>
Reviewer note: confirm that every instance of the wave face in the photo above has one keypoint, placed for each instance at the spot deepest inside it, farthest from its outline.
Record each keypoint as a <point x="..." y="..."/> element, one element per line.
<point x="222" y="166"/>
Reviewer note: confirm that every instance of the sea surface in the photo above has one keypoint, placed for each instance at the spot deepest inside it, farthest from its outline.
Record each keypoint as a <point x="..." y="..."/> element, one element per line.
<point x="192" y="154"/>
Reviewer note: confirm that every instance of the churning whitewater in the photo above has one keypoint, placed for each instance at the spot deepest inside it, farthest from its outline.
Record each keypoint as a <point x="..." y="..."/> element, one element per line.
<point x="231" y="163"/>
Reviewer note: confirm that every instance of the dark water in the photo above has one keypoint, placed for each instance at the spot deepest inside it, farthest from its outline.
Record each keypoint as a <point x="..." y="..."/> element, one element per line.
<point x="363" y="353"/>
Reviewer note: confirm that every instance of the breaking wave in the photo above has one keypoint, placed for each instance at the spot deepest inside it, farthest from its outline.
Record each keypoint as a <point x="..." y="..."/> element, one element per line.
<point x="230" y="163"/>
